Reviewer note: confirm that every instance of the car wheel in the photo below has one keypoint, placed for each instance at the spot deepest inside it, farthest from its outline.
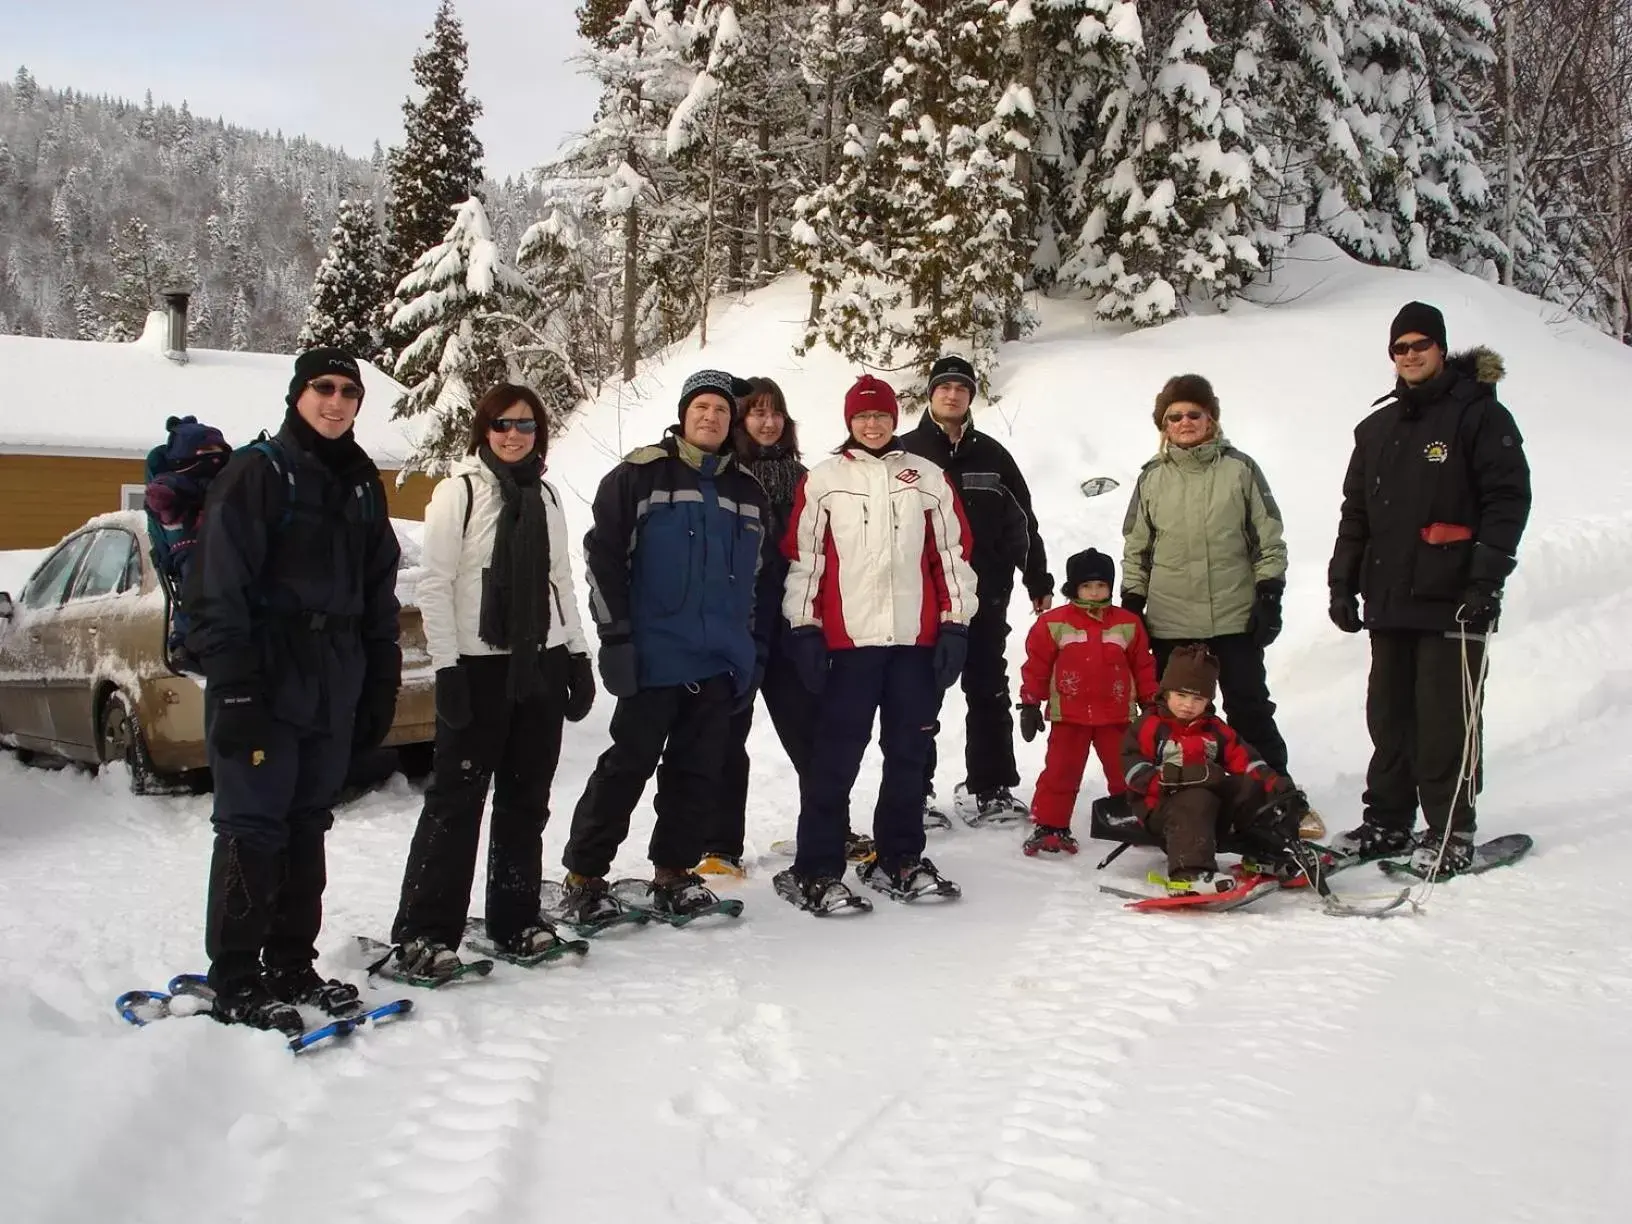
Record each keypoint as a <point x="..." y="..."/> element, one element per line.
<point x="120" y="739"/>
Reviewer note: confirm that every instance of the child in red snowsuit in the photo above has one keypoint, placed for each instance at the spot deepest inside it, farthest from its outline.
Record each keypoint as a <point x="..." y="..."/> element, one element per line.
<point x="1090" y="663"/>
<point x="1191" y="778"/>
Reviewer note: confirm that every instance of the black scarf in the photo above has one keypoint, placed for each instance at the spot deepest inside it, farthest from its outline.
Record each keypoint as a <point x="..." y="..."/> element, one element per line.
<point x="339" y="455"/>
<point x="778" y="474"/>
<point x="515" y="613"/>
<point x="1414" y="398"/>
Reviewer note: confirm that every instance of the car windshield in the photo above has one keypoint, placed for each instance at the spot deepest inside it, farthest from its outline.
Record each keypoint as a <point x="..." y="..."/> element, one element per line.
<point x="45" y="589"/>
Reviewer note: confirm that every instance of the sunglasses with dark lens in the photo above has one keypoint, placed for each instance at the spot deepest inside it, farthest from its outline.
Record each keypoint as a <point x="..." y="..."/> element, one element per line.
<point x="524" y="425"/>
<point x="1412" y="346"/>
<point x="1173" y="418"/>
<point x="327" y="387"/>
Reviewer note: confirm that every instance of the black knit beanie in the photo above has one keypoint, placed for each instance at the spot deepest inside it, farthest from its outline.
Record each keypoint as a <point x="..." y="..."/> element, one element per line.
<point x="314" y="363"/>
<point x="1421" y="318"/>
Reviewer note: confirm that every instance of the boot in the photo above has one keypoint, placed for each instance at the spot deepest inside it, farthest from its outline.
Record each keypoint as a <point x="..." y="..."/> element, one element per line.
<point x="1048" y="840"/>
<point x="1457" y="856"/>
<point x="1372" y="841"/>
<point x="238" y="914"/>
<point x="297" y="907"/>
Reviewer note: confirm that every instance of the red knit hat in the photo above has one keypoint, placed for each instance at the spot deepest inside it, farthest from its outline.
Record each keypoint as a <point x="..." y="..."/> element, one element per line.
<point x="870" y="394"/>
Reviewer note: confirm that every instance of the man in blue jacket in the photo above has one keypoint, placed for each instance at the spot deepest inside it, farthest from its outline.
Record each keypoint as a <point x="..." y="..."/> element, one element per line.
<point x="673" y="556"/>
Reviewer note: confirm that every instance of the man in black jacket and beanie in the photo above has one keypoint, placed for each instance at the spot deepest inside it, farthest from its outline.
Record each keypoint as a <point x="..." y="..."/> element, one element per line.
<point x="997" y="504"/>
<point x="1434" y="503"/>
<point x="293" y="609"/>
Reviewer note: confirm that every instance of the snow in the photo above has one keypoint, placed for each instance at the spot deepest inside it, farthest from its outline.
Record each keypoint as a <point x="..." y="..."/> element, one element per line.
<point x="80" y="397"/>
<point x="1031" y="1053"/>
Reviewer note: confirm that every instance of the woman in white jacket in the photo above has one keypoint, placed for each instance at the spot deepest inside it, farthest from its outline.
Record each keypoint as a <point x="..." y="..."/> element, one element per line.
<point x="878" y="600"/>
<point x="502" y="629"/>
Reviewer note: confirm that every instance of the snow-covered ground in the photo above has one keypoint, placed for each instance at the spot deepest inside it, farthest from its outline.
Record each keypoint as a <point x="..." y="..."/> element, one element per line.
<point x="1032" y="1052"/>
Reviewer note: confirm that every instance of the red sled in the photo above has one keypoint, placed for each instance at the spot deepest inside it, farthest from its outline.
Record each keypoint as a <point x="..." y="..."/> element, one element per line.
<point x="1247" y="890"/>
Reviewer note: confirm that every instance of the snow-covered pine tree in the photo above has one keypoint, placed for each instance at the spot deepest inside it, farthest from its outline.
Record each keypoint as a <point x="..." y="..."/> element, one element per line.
<point x="439" y="163"/>
<point x="142" y="268"/>
<point x="349" y="286"/>
<point x="459" y="302"/>
<point x="238" y="328"/>
<point x="1172" y="174"/>
<point x="564" y="345"/>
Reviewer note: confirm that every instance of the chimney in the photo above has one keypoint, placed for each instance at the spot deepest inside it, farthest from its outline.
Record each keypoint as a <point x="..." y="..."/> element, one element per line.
<point x="175" y="308"/>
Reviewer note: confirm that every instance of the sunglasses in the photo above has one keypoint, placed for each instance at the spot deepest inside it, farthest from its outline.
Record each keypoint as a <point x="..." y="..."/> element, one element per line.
<point x="1173" y="418"/>
<point x="522" y="425"/>
<point x="327" y="387"/>
<point x="1412" y="346"/>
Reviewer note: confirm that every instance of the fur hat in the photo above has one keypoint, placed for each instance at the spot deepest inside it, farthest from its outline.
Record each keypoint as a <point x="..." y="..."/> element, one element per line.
<point x="869" y="394"/>
<point x="1191" y="669"/>
<point x="314" y="363"/>
<point x="1418" y="317"/>
<point x="952" y="369"/>
<point x="1091" y="565"/>
<point x="1185" y="389"/>
<point x="728" y="387"/>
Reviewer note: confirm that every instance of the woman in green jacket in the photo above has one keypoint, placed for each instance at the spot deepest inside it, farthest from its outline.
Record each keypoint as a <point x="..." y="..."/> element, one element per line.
<point x="1203" y="559"/>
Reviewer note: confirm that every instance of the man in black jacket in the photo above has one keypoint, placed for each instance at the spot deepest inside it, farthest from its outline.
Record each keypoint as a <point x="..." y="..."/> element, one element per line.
<point x="293" y="609"/>
<point x="997" y="505"/>
<point x="1434" y="502"/>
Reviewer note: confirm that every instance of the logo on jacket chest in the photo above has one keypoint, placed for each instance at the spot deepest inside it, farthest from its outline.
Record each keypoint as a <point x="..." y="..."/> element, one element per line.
<point x="907" y="476"/>
<point x="1436" y="452"/>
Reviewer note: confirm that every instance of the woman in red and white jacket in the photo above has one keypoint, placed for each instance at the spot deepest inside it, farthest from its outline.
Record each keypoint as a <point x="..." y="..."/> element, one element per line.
<point x="878" y="600"/>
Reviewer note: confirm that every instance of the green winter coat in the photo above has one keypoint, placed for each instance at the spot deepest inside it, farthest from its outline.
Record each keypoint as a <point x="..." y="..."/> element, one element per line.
<point x="1201" y="532"/>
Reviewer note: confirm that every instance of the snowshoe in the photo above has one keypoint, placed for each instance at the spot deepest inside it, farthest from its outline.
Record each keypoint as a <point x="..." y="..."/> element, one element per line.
<point x="934" y="816"/>
<point x="303" y="985"/>
<point x="419" y="962"/>
<point x="859" y="848"/>
<point x="994" y="807"/>
<point x="1046" y="840"/>
<point x="676" y="902"/>
<point x="1370" y="841"/>
<point x="252" y="1005"/>
<point x="821" y="896"/>
<point x="587" y="906"/>
<point x="536" y="945"/>
<point x="722" y="865"/>
<point x="908" y="882"/>
<point x="1474" y="859"/>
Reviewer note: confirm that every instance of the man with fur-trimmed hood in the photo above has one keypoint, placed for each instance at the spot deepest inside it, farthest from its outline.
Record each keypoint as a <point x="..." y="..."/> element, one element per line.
<point x="1434" y="503"/>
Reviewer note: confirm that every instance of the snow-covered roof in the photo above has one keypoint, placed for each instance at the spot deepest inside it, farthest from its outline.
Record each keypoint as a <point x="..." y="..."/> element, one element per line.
<point x="77" y="397"/>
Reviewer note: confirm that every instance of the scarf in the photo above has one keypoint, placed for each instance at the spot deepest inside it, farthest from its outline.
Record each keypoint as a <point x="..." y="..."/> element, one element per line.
<point x="1413" y="399"/>
<point x="778" y="474"/>
<point x="515" y="614"/>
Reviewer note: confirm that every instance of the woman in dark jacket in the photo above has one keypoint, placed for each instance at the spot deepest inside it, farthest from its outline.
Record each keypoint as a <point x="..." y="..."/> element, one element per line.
<point x="766" y="442"/>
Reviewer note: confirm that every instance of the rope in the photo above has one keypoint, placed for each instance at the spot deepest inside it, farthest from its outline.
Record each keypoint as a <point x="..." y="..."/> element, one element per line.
<point x="1473" y="698"/>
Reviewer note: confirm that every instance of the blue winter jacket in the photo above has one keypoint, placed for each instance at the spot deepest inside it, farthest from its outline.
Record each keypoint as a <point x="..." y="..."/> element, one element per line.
<point x="673" y="556"/>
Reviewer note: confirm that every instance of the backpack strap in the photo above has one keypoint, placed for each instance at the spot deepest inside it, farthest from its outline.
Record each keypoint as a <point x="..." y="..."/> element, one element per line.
<point x="470" y="502"/>
<point x="269" y="447"/>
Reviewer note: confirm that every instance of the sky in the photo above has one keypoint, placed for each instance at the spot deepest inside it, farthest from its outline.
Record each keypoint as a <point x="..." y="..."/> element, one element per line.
<point x="336" y="72"/>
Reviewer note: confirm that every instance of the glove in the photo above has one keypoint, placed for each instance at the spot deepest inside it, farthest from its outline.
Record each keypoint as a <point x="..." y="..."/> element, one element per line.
<point x="1133" y="602"/>
<point x="1478" y="608"/>
<point x="1279" y="784"/>
<point x="240" y="726"/>
<point x="1345" y="612"/>
<point x="1265" y="622"/>
<point x="746" y="702"/>
<point x="580" y="687"/>
<point x="807" y="648"/>
<point x="453" y="697"/>
<point x="951" y="650"/>
<point x="376" y="710"/>
<point x="1031" y="722"/>
<point x="1209" y="775"/>
<point x="619" y="670"/>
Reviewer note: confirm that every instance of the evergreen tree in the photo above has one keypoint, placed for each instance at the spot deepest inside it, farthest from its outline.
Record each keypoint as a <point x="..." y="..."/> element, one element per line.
<point x="439" y="162"/>
<point x="349" y="286"/>
<point x="460" y="302"/>
<point x="238" y="333"/>
<point x="26" y="91"/>
<point x="142" y="269"/>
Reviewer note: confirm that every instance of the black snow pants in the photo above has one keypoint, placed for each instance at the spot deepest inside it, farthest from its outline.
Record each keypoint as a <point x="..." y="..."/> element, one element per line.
<point x="684" y="726"/>
<point x="1414" y="714"/>
<point x="514" y="746"/>
<point x="988" y="746"/>
<point x="793" y="712"/>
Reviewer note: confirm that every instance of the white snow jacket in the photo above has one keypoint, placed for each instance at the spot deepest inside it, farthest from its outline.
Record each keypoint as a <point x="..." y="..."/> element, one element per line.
<point x="878" y="551"/>
<point x="455" y="553"/>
